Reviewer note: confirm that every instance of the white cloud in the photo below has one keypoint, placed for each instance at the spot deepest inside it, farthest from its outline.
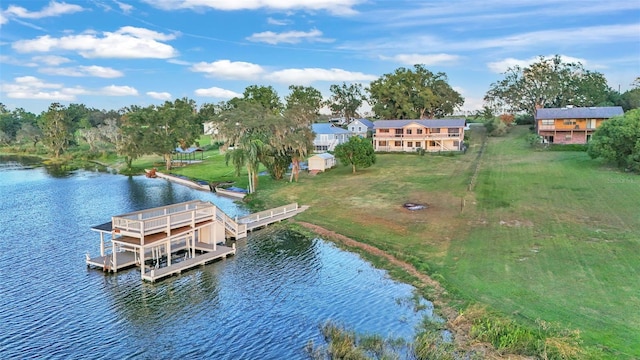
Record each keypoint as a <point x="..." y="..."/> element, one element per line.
<point x="575" y="36"/>
<point x="289" y="37"/>
<point x="159" y="95"/>
<point x="143" y="33"/>
<point x="113" y="90"/>
<point x="272" y="21"/>
<point x="53" y="9"/>
<point x="81" y="71"/>
<point x="178" y="62"/>
<point x="307" y="76"/>
<point x="425" y="59"/>
<point x="336" y="7"/>
<point x="51" y="60"/>
<point x="217" y="92"/>
<point x="503" y="65"/>
<point x="229" y="69"/>
<point x="5" y="59"/>
<point x="30" y="87"/>
<point x="128" y="42"/>
<point x="3" y="19"/>
<point x="126" y="8"/>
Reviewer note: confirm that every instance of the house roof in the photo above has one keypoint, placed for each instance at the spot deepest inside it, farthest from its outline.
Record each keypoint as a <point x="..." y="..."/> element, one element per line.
<point x="579" y="113"/>
<point x="366" y="122"/>
<point x="324" y="156"/>
<point x="324" y="128"/>
<point x="428" y="123"/>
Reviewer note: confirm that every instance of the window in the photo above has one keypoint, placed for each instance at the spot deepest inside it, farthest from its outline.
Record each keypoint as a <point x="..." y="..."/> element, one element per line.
<point x="453" y="130"/>
<point x="410" y="144"/>
<point x="383" y="130"/>
<point x="435" y="131"/>
<point x="570" y="122"/>
<point x="567" y="137"/>
<point x="398" y="132"/>
<point x="432" y="143"/>
<point x="382" y="143"/>
<point x="456" y="144"/>
<point x="408" y="131"/>
<point x="418" y="144"/>
<point x="359" y="128"/>
<point x="398" y="143"/>
<point x="547" y="122"/>
<point x="419" y="131"/>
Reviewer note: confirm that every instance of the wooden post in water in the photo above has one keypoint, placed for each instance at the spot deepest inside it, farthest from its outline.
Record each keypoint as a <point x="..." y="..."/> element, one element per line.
<point x="142" y="262"/>
<point x="168" y="252"/>
<point x="114" y="266"/>
<point x="101" y="243"/>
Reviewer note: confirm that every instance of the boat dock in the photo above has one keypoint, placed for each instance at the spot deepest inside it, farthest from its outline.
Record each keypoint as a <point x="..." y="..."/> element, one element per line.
<point x="167" y="240"/>
<point x="179" y="180"/>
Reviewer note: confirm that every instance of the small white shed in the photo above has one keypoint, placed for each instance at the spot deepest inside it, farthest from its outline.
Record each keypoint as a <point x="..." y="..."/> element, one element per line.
<point x="321" y="162"/>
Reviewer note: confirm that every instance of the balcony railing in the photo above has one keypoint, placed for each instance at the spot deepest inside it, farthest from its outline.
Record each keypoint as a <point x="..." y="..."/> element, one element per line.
<point x="567" y="128"/>
<point x="417" y="136"/>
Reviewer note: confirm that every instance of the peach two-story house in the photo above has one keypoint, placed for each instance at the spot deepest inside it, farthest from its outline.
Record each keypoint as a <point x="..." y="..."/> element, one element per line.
<point x="572" y="125"/>
<point x="432" y="135"/>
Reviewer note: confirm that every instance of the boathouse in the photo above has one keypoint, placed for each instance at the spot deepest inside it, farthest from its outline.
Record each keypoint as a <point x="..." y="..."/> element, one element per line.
<point x="167" y="240"/>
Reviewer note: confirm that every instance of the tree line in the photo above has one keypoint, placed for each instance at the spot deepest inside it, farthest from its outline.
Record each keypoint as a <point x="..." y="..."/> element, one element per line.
<point x="265" y="130"/>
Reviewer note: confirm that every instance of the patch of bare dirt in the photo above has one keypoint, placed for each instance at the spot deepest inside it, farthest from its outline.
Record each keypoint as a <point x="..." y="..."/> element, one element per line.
<point x="516" y="223"/>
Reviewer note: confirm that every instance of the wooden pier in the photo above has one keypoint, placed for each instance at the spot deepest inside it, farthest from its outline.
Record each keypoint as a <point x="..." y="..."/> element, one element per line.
<point x="167" y="240"/>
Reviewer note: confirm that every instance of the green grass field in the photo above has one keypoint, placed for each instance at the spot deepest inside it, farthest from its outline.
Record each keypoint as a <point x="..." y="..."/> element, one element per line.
<point x="544" y="235"/>
<point x="555" y="237"/>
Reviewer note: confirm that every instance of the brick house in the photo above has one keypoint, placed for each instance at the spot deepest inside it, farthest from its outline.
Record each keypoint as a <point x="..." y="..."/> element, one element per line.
<point x="572" y="125"/>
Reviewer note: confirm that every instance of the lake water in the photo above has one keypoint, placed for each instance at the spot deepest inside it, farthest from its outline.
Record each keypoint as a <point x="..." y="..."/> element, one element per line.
<point x="266" y="302"/>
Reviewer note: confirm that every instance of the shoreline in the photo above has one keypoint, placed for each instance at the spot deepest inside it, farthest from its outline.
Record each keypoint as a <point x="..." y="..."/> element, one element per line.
<point x="455" y="322"/>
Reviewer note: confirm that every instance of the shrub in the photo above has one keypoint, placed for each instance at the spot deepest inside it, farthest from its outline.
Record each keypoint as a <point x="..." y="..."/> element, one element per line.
<point x="568" y="147"/>
<point x="524" y="119"/>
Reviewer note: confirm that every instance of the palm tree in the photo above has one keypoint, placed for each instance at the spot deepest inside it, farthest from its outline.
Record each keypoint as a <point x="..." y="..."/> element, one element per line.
<point x="246" y="154"/>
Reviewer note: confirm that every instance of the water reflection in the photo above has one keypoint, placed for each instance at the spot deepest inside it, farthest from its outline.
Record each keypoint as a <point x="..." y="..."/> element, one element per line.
<point x="264" y="303"/>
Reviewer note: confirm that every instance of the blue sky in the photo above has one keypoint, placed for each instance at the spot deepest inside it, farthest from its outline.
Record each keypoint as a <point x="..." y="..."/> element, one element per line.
<point x="109" y="54"/>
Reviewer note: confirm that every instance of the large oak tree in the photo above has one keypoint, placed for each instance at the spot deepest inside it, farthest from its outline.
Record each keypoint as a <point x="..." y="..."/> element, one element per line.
<point x="413" y="94"/>
<point x="56" y="129"/>
<point x="345" y="100"/>
<point x="160" y="129"/>
<point x="549" y="82"/>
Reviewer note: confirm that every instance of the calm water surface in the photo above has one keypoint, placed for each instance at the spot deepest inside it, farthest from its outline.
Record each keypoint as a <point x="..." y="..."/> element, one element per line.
<point x="267" y="302"/>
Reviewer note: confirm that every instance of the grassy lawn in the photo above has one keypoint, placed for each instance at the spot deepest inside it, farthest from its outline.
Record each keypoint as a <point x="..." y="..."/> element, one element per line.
<point x="555" y="237"/>
<point x="544" y="235"/>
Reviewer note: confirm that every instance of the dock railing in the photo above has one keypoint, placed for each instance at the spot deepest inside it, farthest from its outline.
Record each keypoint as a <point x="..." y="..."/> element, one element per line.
<point x="236" y="229"/>
<point x="158" y="220"/>
<point x="267" y="214"/>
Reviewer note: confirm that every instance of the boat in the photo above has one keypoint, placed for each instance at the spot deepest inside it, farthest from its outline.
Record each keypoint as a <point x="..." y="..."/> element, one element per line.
<point x="231" y="191"/>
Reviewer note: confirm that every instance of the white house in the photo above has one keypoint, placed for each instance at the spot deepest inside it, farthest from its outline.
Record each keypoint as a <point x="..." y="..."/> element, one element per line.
<point x="328" y="137"/>
<point x="321" y="162"/>
<point x="361" y="127"/>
